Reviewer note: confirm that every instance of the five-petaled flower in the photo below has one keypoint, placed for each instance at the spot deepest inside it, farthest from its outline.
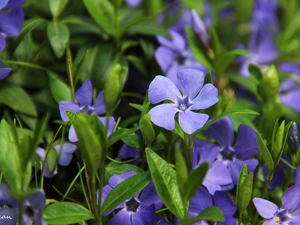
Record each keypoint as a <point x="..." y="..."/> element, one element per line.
<point x="194" y="96"/>
<point x="288" y="213"/>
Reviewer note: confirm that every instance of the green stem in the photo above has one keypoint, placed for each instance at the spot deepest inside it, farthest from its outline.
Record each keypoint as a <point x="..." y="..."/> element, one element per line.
<point x="26" y="64"/>
<point x="188" y="147"/>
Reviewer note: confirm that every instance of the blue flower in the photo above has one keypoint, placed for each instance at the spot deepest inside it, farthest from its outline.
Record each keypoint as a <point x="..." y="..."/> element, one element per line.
<point x="84" y="96"/>
<point x="194" y="96"/>
<point x="139" y="209"/>
<point x="32" y="207"/>
<point x="64" y="154"/>
<point x="288" y="213"/>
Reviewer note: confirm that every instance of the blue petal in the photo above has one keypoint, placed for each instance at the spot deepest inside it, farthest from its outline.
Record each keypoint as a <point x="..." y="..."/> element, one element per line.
<point x="163" y="116"/>
<point x="99" y="105"/>
<point x="165" y="57"/>
<point x="11" y="22"/>
<point x="111" y="124"/>
<point x="224" y="202"/>
<point x="133" y="3"/>
<point x="222" y="131"/>
<point x="3" y="4"/>
<point x="122" y="217"/>
<point x="72" y="135"/>
<point x="200" y="202"/>
<point x="4" y="72"/>
<point x="84" y="94"/>
<point x="265" y="208"/>
<point x="37" y="200"/>
<point x="291" y="198"/>
<point x="65" y="153"/>
<point x="246" y="145"/>
<point x="190" y="121"/>
<point x="14" y="3"/>
<point x="191" y="81"/>
<point x="5" y="197"/>
<point x="41" y="153"/>
<point x="207" y="97"/>
<point x="116" y="179"/>
<point x="206" y="152"/>
<point x="144" y="216"/>
<point x="150" y="197"/>
<point x="67" y="105"/>
<point x="9" y="216"/>
<point x="47" y="173"/>
<point x="2" y="41"/>
<point x="162" y="88"/>
<point x="172" y="74"/>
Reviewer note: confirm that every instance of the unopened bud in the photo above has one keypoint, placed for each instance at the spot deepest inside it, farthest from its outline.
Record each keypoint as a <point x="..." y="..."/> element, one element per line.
<point x="293" y="138"/>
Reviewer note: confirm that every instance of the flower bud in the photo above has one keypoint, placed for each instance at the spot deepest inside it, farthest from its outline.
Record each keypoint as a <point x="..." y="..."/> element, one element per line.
<point x="293" y="138"/>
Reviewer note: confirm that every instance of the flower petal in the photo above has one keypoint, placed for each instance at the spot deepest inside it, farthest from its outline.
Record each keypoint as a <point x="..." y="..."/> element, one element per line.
<point x="4" y="72"/>
<point x="14" y="3"/>
<point x="206" y="152"/>
<point x="265" y="208"/>
<point x="3" y="4"/>
<point x="222" y="131"/>
<point x="224" y="202"/>
<point x="11" y="22"/>
<point x="177" y="43"/>
<point x="66" y="154"/>
<point x="99" y="105"/>
<point x="5" y="197"/>
<point x="207" y="97"/>
<point x="165" y="57"/>
<point x="149" y="196"/>
<point x="122" y="217"/>
<point x="116" y="179"/>
<point x="2" y="41"/>
<point x="291" y="198"/>
<point x="163" y="115"/>
<point x="162" y="88"/>
<point x="37" y="200"/>
<point x="72" y="135"/>
<point x="191" y="81"/>
<point x="144" y="216"/>
<point x="84" y="94"/>
<point x="200" y="202"/>
<point x="9" y="216"/>
<point x="190" y="121"/>
<point x="246" y="145"/>
<point x="67" y="105"/>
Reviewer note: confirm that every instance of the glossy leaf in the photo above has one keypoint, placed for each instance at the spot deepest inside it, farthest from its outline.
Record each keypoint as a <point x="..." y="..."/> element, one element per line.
<point x="165" y="181"/>
<point x="146" y="128"/>
<point x="277" y="140"/>
<point x="56" y="7"/>
<point x="181" y="173"/>
<point x="58" y="35"/>
<point x="122" y="168"/>
<point x="125" y="190"/>
<point x="265" y="152"/>
<point x="118" y="135"/>
<point x="149" y="28"/>
<point x="66" y="213"/>
<point x="59" y="90"/>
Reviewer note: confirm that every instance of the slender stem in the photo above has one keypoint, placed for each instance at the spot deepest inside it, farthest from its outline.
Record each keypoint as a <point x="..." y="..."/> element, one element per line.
<point x="188" y="147"/>
<point x="26" y="64"/>
<point x="20" y="213"/>
<point x="71" y="79"/>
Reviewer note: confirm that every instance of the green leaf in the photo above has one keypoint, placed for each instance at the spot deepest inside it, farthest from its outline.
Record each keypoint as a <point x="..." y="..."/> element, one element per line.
<point x="118" y="169"/>
<point x="56" y="7"/>
<point x="58" y="35"/>
<point x="118" y="135"/>
<point x="243" y="9"/>
<point x="147" y="129"/>
<point x="290" y="29"/>
<point x="59" y="90"/>
<point x="149" y="28"/>
<point x="228" y="113"/>
<point x="165" y="181"/>
<point x="92" y="139"/>
<point x="265" y="152"/>
<point x="195" y="180"/>
<point x="182" y="174"/>
<point x="134" y="141"/>
<point x="66" y="213"/>
<point x="212" y="213"/>
<point x="51" y="159"/>
<point x="113" y="87"/>
<point x="244" y="189"/>
<point x="277" y="141"/>
<point x="197" y="49"/>
<point x="125" y="190"/>
<point x="102" y="12"/>
<point x="224" y="60"/>
<point x="215" y="42"/>
<point x="10" y="162"/>
<point x="16" y="98"/>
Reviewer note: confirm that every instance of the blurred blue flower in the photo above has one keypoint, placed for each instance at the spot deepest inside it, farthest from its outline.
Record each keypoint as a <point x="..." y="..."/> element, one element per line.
<point x="287" y="214"/>
<point x="289" y="89"/>
<point x="133" y="3"/>
<point x="174" y="55"/>
<point x="32" y="207"/>
<point x="64" y="156"/>
<point x="194" y="96"/>
<point x="138" y="210"/>
<point x="84" y="96"/>
<point x="233" y="156"/>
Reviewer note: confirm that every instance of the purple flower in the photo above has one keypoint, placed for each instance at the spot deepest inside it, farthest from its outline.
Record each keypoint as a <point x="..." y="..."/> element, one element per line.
<point x="32" y="207"/>
<point x="4" y="72"/>
<point x="233" y="156"/>
<point x="84" y="96"/>
<point x="200" y="28"/>
<point x="287" y="214"/>
<point x="194" y="96"/>
<point x="133" y="3"/>
<point x="64" y="154"/>
<point x="262" y="51"/>
<point x="290" y="90"/>
<point x="174" y="55"/>
<point x="138" y="210"/>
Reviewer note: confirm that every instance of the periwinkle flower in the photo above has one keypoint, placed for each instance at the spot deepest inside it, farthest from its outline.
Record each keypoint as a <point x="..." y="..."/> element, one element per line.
<point x="234" y="156"/>
<point x="63" y="153"/>
<point x="84" y="96"/>
<point x="174" y="55"/>
<point x="194" y="96"/>
<point x="139" y="209"/>
<point x="32" y="207"/>
<point x="200" y="28"/>
<point x="287" y="214"/>
<point x="133" y="3"/>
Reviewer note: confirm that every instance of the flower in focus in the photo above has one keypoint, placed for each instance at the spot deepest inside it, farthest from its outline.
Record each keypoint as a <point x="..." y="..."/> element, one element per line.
<point x="289" y="89"/>
<point x="138" y="210"/>
<point x="32" y="207"/>
<point x="233" y="156"/>
<point x="84" y="96"/>
<point x="63" y="153"/>
<point x="194" y="96"/>
<point x="174" y="55"/>
<point x="287" y="214"/>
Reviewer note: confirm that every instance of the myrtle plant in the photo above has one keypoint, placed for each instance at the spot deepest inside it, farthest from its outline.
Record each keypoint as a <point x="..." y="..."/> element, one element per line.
<point x="161" y="112"/>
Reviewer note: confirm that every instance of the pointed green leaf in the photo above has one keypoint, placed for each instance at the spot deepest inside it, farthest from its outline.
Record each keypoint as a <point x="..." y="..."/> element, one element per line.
<point x="224" y="60"/>
<point x="277" y="141"/>
<point x="147" y="130"/>
<point x="125" y="190"/>
<point x="182" y="173"/>
<point x="265" y="152"/>
<point x="165" y="181"/>
<point x="148" y="28"/>
<point x="118" y="135"/>
<point x="57" y="6"/>
<point x="51" y="159"/>
<point x="118" y="169"/>
<point x="59" y="90"/>
<point x="58" y="35"/>
<point x="66" y="213"/>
